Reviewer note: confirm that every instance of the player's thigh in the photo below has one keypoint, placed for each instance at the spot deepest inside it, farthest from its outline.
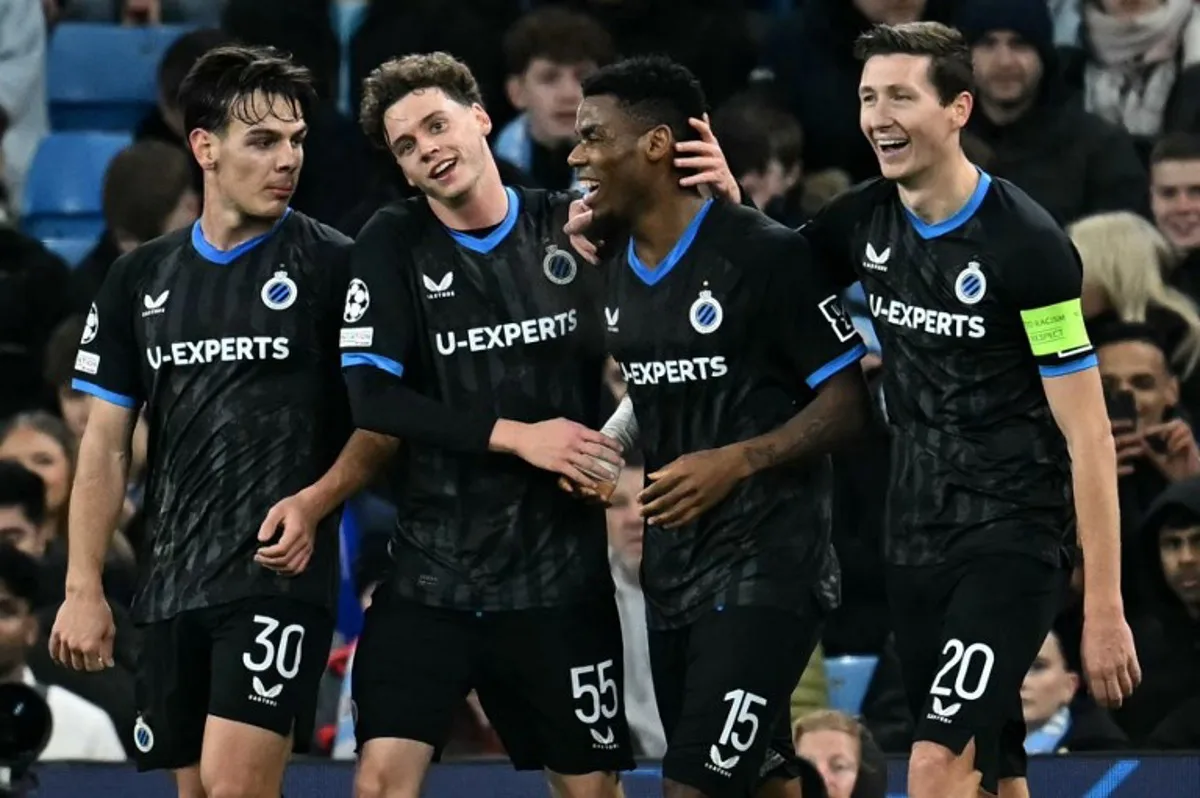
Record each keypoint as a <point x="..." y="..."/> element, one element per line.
<point x="743" y="664"/>
<point x="269" y="655"/>
<point x="243" y="760"/>
<point x="173" y="674"/>
<point x="1000" y="611"/>
<point x="552" y="684"/>
<point x="668" y="667"/>
<point x="412" y="670"/>
<point x="918" y="597"/>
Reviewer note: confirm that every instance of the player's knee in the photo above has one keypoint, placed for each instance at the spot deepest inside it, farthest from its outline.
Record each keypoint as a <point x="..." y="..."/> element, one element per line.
<point x="931" y="768"/>
<point x="239" y="785"/>
<point x="673" y="789"/>
<point x="391" y="769"/>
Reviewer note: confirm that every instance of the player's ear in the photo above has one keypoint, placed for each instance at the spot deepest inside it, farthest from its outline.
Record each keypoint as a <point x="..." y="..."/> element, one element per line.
<point x="481" y="116"/>
<point x="961" y="107"/>
<point x="658" y="143"/>
<point x="204" y="148"/>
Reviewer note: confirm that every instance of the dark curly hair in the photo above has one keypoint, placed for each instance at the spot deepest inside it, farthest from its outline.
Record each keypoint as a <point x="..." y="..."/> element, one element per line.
<point x="653" y="90"/>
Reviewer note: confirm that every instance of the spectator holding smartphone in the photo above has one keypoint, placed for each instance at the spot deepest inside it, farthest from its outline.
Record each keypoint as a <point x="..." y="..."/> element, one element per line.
<point x="1155" y="444"/>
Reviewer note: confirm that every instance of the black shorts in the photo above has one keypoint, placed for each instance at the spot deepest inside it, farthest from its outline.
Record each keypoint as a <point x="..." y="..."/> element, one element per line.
<point x="551" y="680"/>
<point x="723" y="686"/>
<point x="257" y="661"/>
<point x="966" y="634"/>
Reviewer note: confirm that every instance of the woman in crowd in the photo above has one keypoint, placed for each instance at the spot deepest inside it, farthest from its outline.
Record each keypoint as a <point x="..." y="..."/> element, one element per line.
<point x="1125" y="265"/>
<point x="842" y="751"/>
<point x="44" y="444"/>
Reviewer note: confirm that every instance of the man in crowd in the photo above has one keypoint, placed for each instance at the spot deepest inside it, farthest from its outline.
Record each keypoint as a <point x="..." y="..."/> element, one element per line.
<point x="1069" y="161"/>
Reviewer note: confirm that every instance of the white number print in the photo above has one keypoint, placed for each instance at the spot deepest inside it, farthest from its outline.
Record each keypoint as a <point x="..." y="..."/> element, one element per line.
<point x="741" y="713"/>
<point x="961" y="657"/>
<point x="283" y="652"/>
<point x="592" y="686"/>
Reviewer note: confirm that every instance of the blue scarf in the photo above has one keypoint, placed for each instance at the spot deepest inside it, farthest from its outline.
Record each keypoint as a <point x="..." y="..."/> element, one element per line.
<point x="1047" y="738"/>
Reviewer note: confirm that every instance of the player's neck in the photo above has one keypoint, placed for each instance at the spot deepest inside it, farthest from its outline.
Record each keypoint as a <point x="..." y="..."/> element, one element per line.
<point x="660" y="226"/>
<point x="485" y="205"/>
<point x="13" y="674"/>
<point x="942" y="191"/>
<point x="225" y="228"/>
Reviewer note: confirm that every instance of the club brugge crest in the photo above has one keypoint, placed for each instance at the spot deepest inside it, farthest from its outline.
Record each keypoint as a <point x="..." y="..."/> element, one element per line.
<point x="143" y="735"/>
<point x="971" y="284"/>
<point x="706" y="313"/>
<point x="279" y="293"/>
<point x="559" y="265"/>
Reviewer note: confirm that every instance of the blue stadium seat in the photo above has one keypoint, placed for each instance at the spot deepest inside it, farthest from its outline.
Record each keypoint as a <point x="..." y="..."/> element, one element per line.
<point x="104" y="77"/>
<point x="66" y="182"/>
<point x="848" y="679"/>
<point x="72" y="250"/>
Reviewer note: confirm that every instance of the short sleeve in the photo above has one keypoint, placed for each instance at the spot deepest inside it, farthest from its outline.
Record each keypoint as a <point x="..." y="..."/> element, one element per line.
<point x="107" y="364"/>
<point x="828" y="235"/>
<point x="815" y="334"/>
<point x="1043" y="279"/>
<point x="378" y="314"/>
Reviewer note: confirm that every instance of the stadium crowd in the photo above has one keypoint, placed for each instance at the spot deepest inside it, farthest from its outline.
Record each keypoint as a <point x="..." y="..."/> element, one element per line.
<point x="1091" y="106"/>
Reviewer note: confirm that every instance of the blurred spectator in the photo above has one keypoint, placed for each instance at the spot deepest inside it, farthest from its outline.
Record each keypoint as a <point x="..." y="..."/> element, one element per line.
<point x="762" y="144"/>
<point x="148" y="192"/>
<point x="1154" y="446"/>
<point x="843" y="752"/>
<point x="625" y="531"/>
<point x="22" y="516"/>
<point x="1175" y="201"/>
<point x="712" y="38"/>
<point x="1055" y="722"/>
<point x="548" y="53"/>
<point x="1167" y="631"/>
<point x="1125" y="264"/>
<point x="165" y="122"/>
<point x="82" y="731"/>
<point x="60" y="370"/>
<point x="1070" y="161"/>
<point x="810" y="56"/>
<point x="22" y="509"/>
<point x="141" y="12"/>
<point x="812" y="691"/>
<point x="22" y="89"/>
<point x="35" y="295"/>
<point x="44" y="445"/>
<point x="1137" y="50"/>
<point x="464" y="28"/>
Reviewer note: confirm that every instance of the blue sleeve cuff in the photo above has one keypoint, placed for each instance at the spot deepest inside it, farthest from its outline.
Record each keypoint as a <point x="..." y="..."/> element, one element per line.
<point x="368" y="359"/>
<point x="112" y="397"/>
<point x="848" y="358"/>
<point x="1063" y="369"/>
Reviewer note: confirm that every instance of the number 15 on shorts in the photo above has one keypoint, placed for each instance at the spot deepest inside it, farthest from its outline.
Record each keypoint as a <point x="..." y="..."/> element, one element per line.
<point x="597" y="701"/>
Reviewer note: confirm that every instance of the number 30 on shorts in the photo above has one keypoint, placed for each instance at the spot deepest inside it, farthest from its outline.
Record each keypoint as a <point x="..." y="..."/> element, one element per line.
<point x="282" y="651"/>
<point x="959" y="664"/>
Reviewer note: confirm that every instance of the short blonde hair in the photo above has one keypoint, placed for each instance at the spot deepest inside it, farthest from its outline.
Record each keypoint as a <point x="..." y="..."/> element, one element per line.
<point x="828" y="720"/>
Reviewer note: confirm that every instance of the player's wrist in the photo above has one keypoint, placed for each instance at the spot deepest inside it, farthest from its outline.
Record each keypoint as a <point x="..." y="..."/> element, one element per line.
<point x="85" y="586"/>
<point x="506" y="436"/>
<point x="742" y="463"/>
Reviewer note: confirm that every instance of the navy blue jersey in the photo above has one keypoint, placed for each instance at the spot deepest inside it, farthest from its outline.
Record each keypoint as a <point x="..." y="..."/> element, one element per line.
<point x="234" y="356"/>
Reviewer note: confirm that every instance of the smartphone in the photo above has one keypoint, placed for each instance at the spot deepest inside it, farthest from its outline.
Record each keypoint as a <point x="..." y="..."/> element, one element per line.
<point x="1121" y="406"/>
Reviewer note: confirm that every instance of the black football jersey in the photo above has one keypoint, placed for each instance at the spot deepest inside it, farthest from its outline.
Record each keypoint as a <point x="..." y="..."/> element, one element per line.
<point x="725" y="340"/>
<point x="234" y="357"/>
<point x="972" y="314"/>
<point x="506" y="323"/>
